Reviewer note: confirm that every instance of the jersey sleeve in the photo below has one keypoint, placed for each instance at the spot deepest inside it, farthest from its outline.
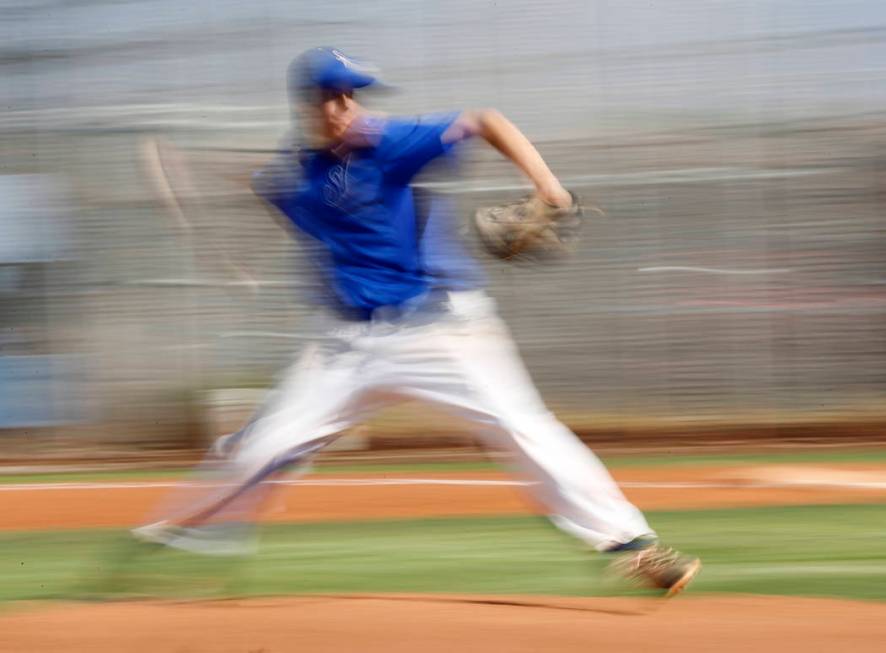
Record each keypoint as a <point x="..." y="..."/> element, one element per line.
<point x="409" y="144"/>
<point x="278" y="180"/>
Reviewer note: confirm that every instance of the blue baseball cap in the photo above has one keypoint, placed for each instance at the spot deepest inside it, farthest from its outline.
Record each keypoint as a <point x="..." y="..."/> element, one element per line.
<point x="328" y="69"/>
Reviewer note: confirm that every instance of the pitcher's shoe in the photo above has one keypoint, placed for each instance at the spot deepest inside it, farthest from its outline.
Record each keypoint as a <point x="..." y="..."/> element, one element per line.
<point x="160" y="532"/>
<point x="203" y="540"/>
<point x="651" y="564"/>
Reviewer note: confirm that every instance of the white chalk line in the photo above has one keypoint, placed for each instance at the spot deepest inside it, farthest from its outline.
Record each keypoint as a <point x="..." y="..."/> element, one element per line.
<point x="363" y="482"/>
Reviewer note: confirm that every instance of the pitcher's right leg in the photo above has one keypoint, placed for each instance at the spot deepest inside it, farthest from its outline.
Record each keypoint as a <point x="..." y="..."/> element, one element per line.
<point x="324" y="393"/>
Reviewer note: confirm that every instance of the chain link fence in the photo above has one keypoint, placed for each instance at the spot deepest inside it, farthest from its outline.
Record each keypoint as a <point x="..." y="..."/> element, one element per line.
<point x="737" y="282"/>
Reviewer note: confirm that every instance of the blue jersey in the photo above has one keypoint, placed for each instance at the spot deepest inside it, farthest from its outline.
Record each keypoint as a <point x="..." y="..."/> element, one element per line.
<point x="382" y="244"/>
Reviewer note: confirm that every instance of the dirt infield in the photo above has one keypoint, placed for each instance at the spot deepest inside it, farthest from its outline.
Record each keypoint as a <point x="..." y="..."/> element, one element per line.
<point x="442" y="624"/>
<point x="369" y="496"/>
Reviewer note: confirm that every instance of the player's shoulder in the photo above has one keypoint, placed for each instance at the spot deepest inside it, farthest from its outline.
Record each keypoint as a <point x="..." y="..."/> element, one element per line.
<point x="393" y="124"/>
<point x="395" y="130"/>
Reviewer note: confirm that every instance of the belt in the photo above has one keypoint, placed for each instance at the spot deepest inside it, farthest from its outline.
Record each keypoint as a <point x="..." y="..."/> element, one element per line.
<point x="433" y="303"/>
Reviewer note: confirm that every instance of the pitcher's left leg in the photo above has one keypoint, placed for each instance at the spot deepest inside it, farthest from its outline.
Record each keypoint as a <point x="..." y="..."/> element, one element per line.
<point x="578" y="492"/>
<point x="478" y="372"/>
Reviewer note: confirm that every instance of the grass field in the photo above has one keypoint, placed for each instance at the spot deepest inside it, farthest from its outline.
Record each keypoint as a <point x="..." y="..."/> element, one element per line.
<point x="809" y="550"/>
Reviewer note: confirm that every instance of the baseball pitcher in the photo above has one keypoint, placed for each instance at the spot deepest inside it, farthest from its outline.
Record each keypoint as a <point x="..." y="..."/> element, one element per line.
<point x="402" y="314"/>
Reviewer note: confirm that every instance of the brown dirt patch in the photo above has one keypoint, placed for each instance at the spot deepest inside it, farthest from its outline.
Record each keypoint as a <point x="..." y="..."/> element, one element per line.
<point x="442" y="624"/>
<point x="729" y="487"/>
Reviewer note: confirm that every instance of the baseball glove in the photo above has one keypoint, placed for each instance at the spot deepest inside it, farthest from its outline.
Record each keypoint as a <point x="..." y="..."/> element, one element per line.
<point x="529" y="229"/>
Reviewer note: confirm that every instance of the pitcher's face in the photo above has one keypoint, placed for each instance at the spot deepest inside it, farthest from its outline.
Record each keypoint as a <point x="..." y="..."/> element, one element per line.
<point x="326" y="120"/>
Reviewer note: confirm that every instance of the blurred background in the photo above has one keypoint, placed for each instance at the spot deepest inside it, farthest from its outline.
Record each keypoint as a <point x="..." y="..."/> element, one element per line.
<point x="735" y="291"/>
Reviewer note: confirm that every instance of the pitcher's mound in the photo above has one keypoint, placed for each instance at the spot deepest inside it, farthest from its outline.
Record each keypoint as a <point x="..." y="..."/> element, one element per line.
<point x="450" y="624"/>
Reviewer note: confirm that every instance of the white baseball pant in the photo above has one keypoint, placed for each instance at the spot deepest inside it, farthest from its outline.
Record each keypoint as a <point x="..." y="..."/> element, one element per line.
<point x="455" y="353"/>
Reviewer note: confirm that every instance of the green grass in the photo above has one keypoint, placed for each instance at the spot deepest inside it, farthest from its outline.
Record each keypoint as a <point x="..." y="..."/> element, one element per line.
<point x="91" y="476"/>
<point x="809" y="550"/>
<point x="872" y="456"/>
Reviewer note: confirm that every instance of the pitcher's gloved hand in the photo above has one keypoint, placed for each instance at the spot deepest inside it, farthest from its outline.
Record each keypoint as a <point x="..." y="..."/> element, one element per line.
<point x="529" y="229"/>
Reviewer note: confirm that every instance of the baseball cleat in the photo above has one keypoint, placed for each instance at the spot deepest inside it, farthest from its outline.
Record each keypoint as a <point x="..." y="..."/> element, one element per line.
<point x="161" y="532"/>
<point x="659" y="567"/>
<point x="205" y="540"/>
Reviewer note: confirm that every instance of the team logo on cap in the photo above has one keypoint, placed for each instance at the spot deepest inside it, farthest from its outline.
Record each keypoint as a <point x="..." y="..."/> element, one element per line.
<point x="350" y="64"/>
<point x="341" y="57"/>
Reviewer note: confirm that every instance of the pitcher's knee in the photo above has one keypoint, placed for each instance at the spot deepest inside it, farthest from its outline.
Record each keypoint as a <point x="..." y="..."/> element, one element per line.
<point x="536" y="425"/>
<point x="270" y="456"/>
